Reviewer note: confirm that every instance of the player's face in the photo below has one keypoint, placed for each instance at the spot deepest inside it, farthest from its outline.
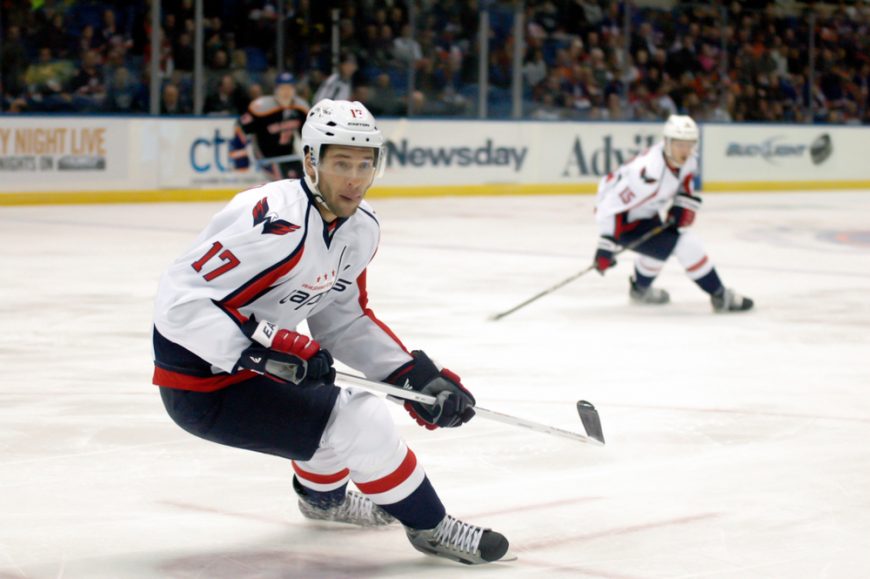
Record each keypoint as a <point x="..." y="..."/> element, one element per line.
<point x="284" y="94"/>
<point x="345" y="174"/>
<point x="681" y="151"/>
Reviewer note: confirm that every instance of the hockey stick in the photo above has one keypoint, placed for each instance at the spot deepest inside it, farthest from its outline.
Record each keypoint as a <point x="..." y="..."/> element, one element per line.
<point x="588" y="414"/>
<point x="651" y="233"/>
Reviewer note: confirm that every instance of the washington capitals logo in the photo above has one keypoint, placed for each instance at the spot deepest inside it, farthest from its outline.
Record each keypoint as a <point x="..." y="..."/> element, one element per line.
<point x="647" y="180"/>
<point x="270" y="221"/>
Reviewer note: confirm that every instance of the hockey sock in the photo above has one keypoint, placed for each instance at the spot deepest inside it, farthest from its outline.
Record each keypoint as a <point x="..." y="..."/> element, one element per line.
<point x="710" y="283"/>
<point x="320" y="499"/>
<point x="642" y="281"/>
<point x="422" y="509"/>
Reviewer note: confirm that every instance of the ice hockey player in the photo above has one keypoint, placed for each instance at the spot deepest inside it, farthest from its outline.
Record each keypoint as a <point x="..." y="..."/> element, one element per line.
<point x="629" y="204"/>
<point x="273" y="124"/>
<point x="232" y="369"/>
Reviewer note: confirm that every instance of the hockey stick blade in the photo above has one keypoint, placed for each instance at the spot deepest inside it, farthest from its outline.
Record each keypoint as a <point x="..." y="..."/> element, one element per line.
<point x="591" y="420"/>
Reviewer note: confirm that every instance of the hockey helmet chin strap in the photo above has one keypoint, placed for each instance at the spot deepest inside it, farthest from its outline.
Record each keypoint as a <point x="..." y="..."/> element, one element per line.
<point x="313" y="183"/>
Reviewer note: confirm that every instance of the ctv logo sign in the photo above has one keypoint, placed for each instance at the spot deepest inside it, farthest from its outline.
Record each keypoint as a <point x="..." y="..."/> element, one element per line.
<point x="208" y="154"/>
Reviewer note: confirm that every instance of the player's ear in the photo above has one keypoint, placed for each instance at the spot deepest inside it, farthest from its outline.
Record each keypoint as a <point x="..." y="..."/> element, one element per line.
<point x="309" y="166"/>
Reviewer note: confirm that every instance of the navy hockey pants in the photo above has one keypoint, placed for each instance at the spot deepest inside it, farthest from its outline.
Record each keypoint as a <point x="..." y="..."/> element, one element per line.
<point x="659" y="246"/>
<point x="258" y="414"/>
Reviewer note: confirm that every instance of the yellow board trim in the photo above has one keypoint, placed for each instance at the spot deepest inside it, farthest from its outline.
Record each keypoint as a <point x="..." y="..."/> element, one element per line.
<point x="138" y="196"/>
<point x="494" y="189"/>
<point x="782" y="185"/>
<point x="485" y="190"/>
<point x="183" y="195"/>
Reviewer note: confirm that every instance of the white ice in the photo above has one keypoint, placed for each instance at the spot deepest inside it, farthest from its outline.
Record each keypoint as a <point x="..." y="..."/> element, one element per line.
<point x="737" y="444"/>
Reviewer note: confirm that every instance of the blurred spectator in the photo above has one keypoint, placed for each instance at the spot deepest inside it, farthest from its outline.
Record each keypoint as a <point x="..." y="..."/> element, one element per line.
<point x="183" y="52"/>
<point x="228" y="99"/>
<point x="255" y="91"/>
<point x="111" y="32"/>
<point x="13" y="63"/>
<point x="122" y="93"/>
<point x="88" y="82"/>
<point x="54" y="37"/>
<point x="547" y="110"/>
<point x="406" y="49"/>
<point x="171" y="103"/>
<point x="383" y="100"/>
<point x="47" y="79"/>
<point x="339" y="85"/>
<point x="534" y="68"/>
<point x="88" y="40"/>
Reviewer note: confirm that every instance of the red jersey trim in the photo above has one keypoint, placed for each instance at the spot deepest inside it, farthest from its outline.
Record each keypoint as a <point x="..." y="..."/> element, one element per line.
<point x="363" y="304"/>
<point x="698" y="265"/>
<point x="180" y="381"/>
<point x="321" y="479"/>
<point x="393" y="479"/>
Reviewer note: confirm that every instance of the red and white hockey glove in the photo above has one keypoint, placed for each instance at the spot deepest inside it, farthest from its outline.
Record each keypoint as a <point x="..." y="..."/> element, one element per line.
<point x="285" y="356"/>
<point x="455" y="404"/>
<point x="604" y="258"/>
<point x="682" y="212"/>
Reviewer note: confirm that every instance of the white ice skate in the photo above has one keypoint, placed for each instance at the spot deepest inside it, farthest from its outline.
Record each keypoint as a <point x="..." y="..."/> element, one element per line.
<point x="727" y="300"/>
<point x="647" y="295"/>
<point x="355" y="509"/>
<point x="458" y="541"/>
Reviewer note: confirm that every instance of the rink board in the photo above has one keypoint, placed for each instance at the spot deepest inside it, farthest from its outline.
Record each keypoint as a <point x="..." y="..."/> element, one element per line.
<point x="48" y="159"/>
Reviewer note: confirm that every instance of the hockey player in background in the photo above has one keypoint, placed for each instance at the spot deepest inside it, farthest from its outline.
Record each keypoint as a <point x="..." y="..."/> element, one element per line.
<point x="629" y="204"/>
<point x="273" y="124"/>
<point x="233" y="370"/>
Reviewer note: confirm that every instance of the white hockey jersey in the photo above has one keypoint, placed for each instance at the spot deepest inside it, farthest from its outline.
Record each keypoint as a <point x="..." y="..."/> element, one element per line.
<point x="641" y="189"/>
<point x="269" y="253"/>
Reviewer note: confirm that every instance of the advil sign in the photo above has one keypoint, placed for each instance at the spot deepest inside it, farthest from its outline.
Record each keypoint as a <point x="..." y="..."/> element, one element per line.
<point x="604" y="159"/>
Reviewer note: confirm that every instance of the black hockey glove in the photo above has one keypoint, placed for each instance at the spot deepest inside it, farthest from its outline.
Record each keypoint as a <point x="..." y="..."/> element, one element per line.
<point x="455" y="405"/>
<point x="285" y="356"/>
<point x="682" y="212"/>
<point x="604" y="259"/>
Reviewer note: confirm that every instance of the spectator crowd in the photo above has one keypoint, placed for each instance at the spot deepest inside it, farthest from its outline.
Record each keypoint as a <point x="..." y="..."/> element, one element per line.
<point x="717" y="61"/>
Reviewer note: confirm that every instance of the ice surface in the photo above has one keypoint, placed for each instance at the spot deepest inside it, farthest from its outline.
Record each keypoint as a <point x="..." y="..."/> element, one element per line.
<point x="737" y="445"/>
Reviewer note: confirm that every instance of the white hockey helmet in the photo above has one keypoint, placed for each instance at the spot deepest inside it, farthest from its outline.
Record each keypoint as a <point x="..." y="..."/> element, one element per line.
<point x="344" y="123"/>
<point x="679" y="128"/>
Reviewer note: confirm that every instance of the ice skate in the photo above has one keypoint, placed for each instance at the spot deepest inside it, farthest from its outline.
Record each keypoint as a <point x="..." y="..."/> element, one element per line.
<point x="355" y="509"/>
<point x="647" y="295"/>
<point x="458" y="541"/>
<point x="727" y="300"/>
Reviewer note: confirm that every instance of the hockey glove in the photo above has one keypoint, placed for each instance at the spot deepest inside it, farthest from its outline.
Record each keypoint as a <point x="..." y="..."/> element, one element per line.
<point x="455" y="404"/>
<point x="604" y="259"/>
<point x="682" y="212"/>
<point x="285" y="356"/>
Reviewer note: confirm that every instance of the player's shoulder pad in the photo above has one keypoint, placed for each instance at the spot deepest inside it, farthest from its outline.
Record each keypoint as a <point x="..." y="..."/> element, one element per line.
<point x="263" y="105"/>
